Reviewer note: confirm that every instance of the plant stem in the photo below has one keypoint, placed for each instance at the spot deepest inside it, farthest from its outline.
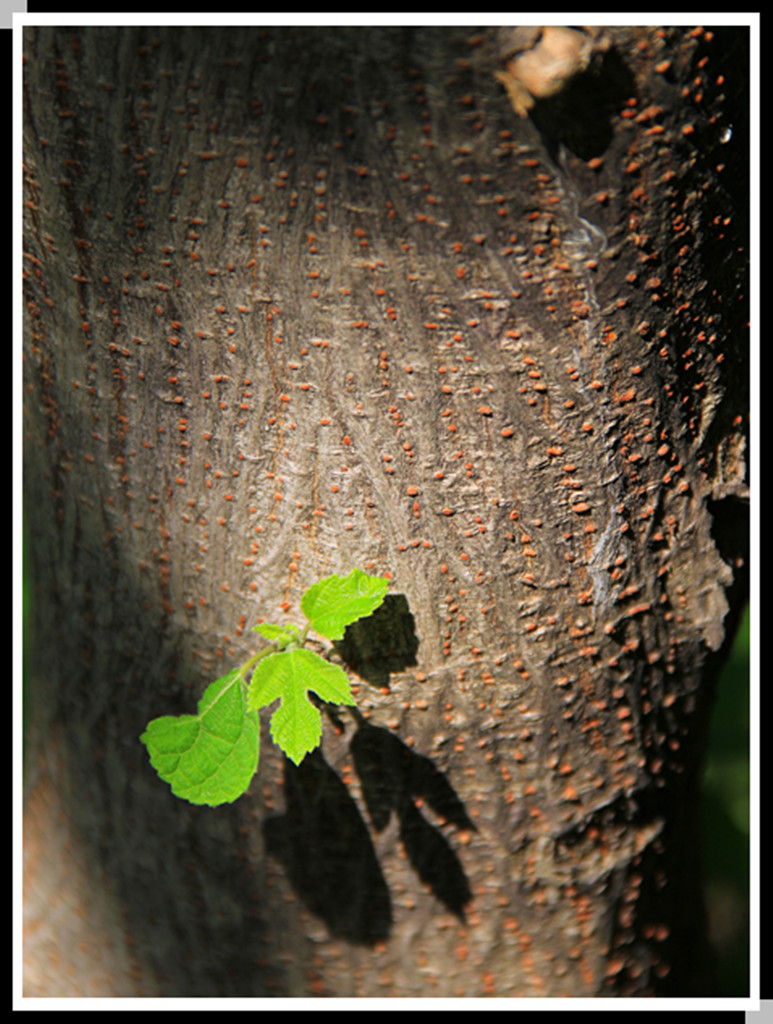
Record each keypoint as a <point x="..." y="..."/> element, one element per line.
<point x="245" y="668"/>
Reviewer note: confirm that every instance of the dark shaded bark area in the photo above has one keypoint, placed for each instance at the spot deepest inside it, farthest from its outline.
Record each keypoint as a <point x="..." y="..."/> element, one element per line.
<point x="299" y="300"/>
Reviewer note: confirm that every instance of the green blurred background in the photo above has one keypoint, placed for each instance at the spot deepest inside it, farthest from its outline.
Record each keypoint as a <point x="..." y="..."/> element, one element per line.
<point x="725" y="821"/>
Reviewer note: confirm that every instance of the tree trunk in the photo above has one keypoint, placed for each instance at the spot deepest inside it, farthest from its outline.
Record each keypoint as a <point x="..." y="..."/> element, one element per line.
<point x="304" y="300"/>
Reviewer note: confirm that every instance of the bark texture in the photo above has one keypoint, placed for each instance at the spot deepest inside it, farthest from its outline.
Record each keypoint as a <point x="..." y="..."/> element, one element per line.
<point x="300" y="300"/>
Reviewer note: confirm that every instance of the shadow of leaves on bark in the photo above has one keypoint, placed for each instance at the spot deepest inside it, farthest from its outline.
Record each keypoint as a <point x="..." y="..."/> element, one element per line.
<point x="393" y="777"/>
<point x="328" y="854"/>
<point x="323" y="840"/>
<point x="381" y="643"/>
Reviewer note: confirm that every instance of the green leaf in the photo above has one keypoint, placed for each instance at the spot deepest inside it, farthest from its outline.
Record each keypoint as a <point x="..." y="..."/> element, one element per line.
<point x="336" y="601"/>
<point x="208" y="758"/>
<point x="279" y="635"/>
<point x="296" y="725"/>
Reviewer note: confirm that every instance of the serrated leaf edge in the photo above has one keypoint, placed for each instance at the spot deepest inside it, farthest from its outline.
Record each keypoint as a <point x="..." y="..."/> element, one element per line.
<point x="174" y="784"/>
<point x="355" y="576"/>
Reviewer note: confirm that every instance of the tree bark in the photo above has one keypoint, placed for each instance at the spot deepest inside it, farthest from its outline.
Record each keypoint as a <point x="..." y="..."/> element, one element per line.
<point x="299" y="300"/>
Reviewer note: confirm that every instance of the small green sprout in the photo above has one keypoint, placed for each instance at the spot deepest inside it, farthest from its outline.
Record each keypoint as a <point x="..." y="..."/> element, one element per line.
<point x="211" y="757"/>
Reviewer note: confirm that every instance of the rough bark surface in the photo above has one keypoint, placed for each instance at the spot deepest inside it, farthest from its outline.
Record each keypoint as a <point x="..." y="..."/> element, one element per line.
<point x="300" y="300"/>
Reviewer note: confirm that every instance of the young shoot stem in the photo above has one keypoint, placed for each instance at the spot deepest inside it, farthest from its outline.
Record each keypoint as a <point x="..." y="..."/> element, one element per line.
<point x="251" y="662"/>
